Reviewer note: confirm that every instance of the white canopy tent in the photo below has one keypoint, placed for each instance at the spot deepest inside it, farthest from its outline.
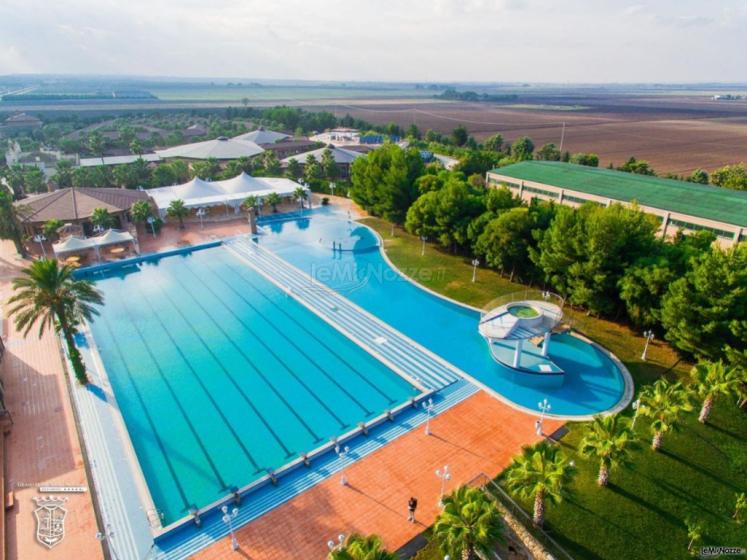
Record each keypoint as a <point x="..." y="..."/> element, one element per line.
<point x="72" y="245"/>
<point x="77" y="244"/>
<point x="229" y="192"/>
<point x="112" y="237"/>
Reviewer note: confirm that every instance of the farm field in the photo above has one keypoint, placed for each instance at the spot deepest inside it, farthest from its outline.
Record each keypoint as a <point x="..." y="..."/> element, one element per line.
<point x="676" y="134"/>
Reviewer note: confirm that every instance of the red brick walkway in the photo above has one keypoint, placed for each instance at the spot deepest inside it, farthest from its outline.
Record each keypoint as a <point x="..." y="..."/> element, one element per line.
<point x="43" y="446"/>
<point x="480" y="434"/>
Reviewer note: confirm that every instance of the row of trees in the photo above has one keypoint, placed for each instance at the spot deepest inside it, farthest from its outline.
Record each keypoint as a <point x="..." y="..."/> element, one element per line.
<point x="608" y="260"/>
<point x="470" y="524"/>
<point x="542" y="473"/>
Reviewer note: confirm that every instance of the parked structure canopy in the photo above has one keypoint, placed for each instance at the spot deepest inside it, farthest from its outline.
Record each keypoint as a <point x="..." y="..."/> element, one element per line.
<point x="231" y="192"/>
<point x="75" y="244"/>
<point x="262" y="136"/>
<point x="220" y="148"/>
<point x="340" y="155"/>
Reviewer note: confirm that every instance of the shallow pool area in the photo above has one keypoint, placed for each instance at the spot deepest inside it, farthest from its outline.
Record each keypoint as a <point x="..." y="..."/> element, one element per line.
<point x="594" y="381"/>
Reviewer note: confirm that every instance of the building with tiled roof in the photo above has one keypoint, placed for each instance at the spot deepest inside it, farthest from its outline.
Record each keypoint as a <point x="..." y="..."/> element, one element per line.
<point x="75" y="205"/>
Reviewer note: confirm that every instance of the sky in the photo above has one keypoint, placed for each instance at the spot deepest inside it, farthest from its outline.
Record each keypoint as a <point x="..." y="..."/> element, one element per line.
<point x="573" y="41"/>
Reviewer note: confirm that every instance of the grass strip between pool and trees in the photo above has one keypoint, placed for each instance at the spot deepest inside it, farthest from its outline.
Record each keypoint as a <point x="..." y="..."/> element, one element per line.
<point x="645" y="510"/>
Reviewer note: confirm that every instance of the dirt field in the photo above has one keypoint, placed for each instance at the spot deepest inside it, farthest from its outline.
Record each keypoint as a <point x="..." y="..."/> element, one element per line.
<point x="676" y="134"/>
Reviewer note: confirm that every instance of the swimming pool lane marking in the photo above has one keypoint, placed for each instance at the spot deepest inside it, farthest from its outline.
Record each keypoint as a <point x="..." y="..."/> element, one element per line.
<point x="246" y="281"/>
<point x="316" y="364"/>
<point x="344" y="320"/>
<point x="313" y="434"/>
<point x="273" y="353"/>
<point x="220" y="412"/>
<point x="200" y="443"/>
<point x="346" y="325"/>
<point x="262" y="419"/>
<point x="149" y="418"/>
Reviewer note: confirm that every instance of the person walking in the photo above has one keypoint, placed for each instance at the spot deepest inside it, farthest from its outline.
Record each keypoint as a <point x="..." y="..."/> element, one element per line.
<point x="412" y="505"/>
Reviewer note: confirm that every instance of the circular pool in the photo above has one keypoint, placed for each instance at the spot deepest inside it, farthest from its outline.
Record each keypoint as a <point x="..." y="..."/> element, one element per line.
<point x="523" y="311"/>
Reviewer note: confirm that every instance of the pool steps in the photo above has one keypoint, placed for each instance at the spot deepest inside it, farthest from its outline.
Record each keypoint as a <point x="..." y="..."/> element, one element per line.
<point x="405" y="356"/>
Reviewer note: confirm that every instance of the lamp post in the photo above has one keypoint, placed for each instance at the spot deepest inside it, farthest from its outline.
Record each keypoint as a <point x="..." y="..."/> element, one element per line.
<point x="649" y="334"/>
<point x="40" y="239"/>
<point x="332" y="545"/>
<point x="423" y="239"/>
<point x="636" y="406"/>
<point x="428" y="406"/>
<point x="475" y="264"/>
<point x="342" y="453"/>
<point x="544" y="407"/>
<point x="444" y="475"/>
<point x="228" y="520"/>
<point x="332" y="188"/>
<point x="107" y="535"/>
<point x="152" y="223"/>
<point x="200" y="214"/>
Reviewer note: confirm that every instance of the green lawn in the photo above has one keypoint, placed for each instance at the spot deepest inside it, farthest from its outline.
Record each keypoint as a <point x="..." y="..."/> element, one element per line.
<point x="642" y="513"/>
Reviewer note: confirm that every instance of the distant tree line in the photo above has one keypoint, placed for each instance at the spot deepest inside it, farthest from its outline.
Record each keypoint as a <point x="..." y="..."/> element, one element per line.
<point x="453" y="94"/>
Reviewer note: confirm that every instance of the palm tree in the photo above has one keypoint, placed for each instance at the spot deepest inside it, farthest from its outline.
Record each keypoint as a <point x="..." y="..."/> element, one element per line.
<point x="469" y="524"/>
<point x="709" y="380"/>
<point x="10" y="222"/>
<point x="300" y="195"/>
<point x="609" y="439"/>
<point x="140" y="211"/>
<point x="178" y="210"/>
<point x="50" y="227"/>
<point x="100" y="217"/>
<point x="663" y="402"/>
<point x="250" y="203"/>
<point x="540" y="472"/>
<point x="136" y="147"/>
<point x="96" y="145"/>
<point x="48" y="294"/>
<point x="358" y="547"/>
<point x="273" y="199"/>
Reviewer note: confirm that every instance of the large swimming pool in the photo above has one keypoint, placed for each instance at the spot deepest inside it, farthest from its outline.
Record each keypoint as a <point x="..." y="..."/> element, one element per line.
<point x="220" y="376"/>
<point x="594" y="382"/>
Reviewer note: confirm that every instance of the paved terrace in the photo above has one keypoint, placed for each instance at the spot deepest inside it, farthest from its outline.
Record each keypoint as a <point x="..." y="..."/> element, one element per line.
<point x="480" y="434"/>
<point x="42" y="447"/>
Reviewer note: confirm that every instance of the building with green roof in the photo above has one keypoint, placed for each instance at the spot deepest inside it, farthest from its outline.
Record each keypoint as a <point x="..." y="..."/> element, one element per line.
<point x="679" y="205"/>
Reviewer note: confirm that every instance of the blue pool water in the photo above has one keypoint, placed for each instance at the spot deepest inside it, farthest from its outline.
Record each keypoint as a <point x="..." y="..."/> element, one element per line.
<point x="220" y="376"/>
<point x="593" y="383"/>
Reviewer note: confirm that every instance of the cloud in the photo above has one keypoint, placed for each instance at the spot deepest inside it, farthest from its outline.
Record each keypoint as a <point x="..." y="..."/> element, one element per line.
<point x="475" y="40"/>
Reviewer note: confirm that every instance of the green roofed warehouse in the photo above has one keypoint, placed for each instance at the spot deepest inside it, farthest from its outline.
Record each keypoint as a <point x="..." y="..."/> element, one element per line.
<point x="678" y="204"/>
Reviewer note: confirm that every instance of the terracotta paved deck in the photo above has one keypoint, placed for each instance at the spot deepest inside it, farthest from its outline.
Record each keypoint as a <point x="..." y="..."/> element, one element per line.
<point x="43" y="446"/>
<point x="480" y="434"/>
